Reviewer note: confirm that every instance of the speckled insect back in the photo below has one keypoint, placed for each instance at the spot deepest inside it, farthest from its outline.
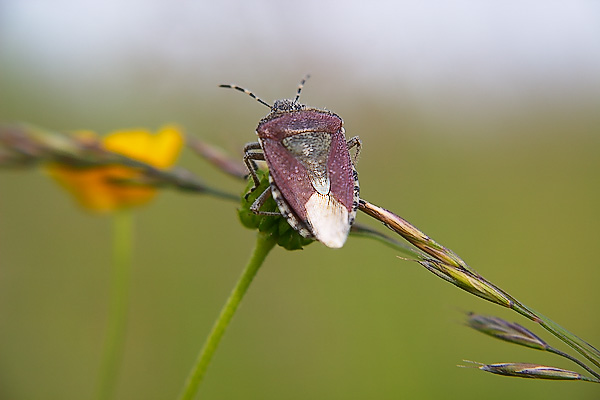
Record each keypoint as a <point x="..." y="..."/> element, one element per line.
<point x="312" y="176"/>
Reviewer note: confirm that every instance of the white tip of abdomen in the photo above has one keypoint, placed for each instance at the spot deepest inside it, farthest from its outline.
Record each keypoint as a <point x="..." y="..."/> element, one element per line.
<point x="329" y="220"/>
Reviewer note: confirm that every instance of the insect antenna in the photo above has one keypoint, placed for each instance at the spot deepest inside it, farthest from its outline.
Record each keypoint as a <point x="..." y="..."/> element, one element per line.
<point x="300" y="86"/>
<point x="249" y="93"/>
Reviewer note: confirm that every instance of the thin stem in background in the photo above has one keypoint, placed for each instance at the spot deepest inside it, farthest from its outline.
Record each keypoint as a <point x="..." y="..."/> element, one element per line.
<point x="119" y="304"/>
<point x="217" y="157"/>
<point x="264" y="244"/>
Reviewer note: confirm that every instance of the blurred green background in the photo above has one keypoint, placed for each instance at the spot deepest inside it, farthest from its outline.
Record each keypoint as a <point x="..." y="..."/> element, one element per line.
<point x="479" y="124"/>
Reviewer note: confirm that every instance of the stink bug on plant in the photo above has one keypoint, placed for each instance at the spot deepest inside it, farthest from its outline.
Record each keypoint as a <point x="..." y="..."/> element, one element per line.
<point x="311" y="174"/>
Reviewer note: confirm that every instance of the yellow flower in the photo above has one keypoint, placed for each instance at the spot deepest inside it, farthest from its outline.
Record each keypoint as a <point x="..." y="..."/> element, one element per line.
<point x="97" y="188"/>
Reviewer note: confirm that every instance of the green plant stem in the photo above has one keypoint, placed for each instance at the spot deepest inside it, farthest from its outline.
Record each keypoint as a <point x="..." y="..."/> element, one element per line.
<point x="119" y="304"/>
<point x="264" y="244"/>
<point x="576" y="361"/>
<point x="449" y="266"/>
<point x="584" y="348"/>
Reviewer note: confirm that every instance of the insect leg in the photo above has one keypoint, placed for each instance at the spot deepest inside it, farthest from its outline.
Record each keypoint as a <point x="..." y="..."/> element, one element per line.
<point x="249" y="158"/>
<point x="354" y="142"/>
<point x="260" y="200"/>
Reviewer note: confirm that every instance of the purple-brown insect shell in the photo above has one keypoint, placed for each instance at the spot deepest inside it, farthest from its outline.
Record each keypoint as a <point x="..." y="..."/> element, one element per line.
<point x="313" y="180"/>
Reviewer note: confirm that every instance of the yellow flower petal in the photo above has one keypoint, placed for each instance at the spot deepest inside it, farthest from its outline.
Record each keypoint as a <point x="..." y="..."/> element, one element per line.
<point x="159" y="150"/>
<point x="97" y="188"/>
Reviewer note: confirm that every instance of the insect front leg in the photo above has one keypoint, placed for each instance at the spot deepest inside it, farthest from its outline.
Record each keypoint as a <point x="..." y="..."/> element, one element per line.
<point x="354" y="142"/>
<point x="250" y="157"/>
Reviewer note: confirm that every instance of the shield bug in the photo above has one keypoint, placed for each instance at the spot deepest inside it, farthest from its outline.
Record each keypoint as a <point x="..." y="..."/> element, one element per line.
<point x="311" y="173"/>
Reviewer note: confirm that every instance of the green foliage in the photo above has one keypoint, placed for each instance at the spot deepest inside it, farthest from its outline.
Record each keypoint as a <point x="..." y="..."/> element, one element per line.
<point x="275" y="226"/>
